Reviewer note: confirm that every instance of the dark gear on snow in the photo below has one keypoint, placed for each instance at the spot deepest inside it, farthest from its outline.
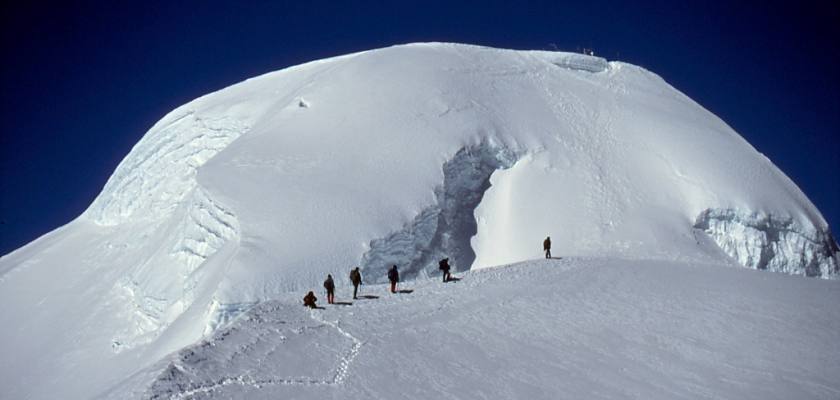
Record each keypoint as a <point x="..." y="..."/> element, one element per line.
<point x="309" y="300"/>
<point x="444" y="266"/>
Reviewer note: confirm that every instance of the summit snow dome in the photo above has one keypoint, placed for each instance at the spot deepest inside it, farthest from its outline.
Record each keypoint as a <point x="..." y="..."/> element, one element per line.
<point x="400" y="155"/>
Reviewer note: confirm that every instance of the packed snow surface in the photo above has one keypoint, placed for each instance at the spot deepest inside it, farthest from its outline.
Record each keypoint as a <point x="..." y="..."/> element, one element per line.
<point x="550" y="329"/>
<point x="402" y="155"/>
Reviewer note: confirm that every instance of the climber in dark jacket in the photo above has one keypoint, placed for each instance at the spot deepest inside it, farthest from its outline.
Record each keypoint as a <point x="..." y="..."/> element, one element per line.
<point x="309" y="300"/>
<point x="444" y="266"/>
<point x="547" y="246"/>
<point x="330" y="286"/>
<point x="394" y="277"/>
<point x="356" y="279"/>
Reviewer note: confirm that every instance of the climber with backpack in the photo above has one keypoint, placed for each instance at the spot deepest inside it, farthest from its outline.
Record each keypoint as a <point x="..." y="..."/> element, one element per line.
<point x="394" y="277"/>
<point x="356" y="279"/>
<point x="330" y="286"/>
<point x="547" y="246"/>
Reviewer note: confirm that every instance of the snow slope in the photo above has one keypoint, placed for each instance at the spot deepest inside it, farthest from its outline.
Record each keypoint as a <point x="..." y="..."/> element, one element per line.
<point x="393" y="156"/>
<point x="549" y="329"/>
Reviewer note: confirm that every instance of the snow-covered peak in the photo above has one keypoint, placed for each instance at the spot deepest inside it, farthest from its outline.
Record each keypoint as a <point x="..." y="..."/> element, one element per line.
<point x="161" y="169"/>
<point x="402" y="155"/>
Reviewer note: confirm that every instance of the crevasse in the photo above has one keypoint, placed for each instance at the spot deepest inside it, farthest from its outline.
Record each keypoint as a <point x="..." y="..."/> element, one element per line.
<point x="444" y="229"/>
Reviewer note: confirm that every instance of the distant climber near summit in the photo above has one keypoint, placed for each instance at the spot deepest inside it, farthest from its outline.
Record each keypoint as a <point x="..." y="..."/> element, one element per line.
<point x="547" y="246"/>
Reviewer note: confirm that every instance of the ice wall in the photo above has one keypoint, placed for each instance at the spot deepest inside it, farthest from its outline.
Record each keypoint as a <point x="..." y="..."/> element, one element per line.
<point x="159" y="173"/>
<point x="771" y="242"/>
<point x="171" y="225"/>
<point x="445" y="229"/>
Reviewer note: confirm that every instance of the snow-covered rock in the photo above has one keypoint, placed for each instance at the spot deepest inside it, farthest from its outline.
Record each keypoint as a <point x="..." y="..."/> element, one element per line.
<point x="400" y="155"/>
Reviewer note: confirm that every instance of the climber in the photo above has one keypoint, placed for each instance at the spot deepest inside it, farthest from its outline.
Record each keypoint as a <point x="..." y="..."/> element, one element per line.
<point x="394" y="277"/>
<point x="356" y="279"/>
<point x="330" y="286"/>
<point x="547" y="246"/>
<point x="309" y="300"/>
<point x="444" y="266"/>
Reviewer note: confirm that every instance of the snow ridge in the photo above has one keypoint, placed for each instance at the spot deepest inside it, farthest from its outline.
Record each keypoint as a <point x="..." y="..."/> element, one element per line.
<point x="586" y="328"/>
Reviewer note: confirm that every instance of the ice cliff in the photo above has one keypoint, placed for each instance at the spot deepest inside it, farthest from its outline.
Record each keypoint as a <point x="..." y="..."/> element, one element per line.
<point x="765" y="241"/>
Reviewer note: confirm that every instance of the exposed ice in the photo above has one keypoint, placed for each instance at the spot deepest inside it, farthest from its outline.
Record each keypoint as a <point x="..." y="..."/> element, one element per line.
<point x="443" y="230"/>
<point x="159" y="173"/>
<point x="776" y="243"/>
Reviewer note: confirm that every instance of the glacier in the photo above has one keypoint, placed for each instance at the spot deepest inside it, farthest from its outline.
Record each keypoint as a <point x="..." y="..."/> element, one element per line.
<point x="764" y="241"/>
<point x="444" y="229"/>
<point x="401" y="155"/>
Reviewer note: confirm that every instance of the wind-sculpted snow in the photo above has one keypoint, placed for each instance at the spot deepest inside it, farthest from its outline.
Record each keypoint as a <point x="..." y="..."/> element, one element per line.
<point x="402" y="155"/>
<point x="580" y="62"/>
<point x="206" y="227"/>
<point x="160" y="171"/>
<point x="766" y="241"/>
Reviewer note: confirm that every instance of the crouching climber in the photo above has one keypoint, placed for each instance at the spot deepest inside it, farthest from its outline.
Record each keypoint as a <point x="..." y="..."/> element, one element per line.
<point x="309" y="300"/>
<point x="444" y="267"/>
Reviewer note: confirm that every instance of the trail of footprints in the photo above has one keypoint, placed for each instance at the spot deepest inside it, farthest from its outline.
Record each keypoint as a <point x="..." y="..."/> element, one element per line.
<point x="195" y="390"/>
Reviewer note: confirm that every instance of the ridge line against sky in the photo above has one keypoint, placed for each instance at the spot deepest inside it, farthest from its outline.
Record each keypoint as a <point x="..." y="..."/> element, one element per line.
<point x="82" y="83"/>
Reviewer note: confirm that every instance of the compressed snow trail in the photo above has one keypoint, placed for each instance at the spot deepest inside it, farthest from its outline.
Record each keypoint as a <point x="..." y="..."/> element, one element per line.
<point x="570" y="328"/>
<point x="255" y="352"/>
<point x="346" y="360"/>
<point x="340" y="374"/>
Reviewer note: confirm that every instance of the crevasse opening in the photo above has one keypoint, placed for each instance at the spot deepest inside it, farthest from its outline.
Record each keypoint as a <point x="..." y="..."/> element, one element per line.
<point x="444" y="229"/>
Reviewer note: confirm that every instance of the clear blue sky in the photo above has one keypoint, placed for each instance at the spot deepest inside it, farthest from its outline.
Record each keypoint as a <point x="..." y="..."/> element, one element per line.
<point x="82" y="83"/>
